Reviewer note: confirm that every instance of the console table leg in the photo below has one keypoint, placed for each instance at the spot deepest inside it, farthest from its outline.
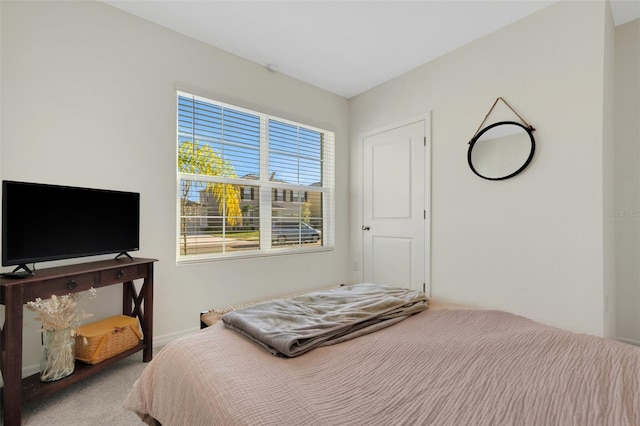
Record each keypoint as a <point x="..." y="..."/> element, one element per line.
<point x="147" y="290"/>
<point x="128" y="295"/>
<point x="12" y="356"/>
<point x="141" y="306"/>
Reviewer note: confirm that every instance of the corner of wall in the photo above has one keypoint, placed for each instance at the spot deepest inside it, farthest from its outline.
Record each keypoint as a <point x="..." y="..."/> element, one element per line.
<point x="608" y="155"/>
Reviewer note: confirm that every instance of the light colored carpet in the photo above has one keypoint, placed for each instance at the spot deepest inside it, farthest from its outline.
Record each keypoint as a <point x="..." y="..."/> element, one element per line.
<point x="95" y="401"/>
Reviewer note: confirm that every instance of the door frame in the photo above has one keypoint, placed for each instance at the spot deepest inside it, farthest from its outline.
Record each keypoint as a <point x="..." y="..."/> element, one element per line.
<point x="426" y="118"/>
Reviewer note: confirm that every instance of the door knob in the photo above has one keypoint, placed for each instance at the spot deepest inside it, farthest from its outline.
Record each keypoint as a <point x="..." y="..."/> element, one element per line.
<point x="365" y="228"/>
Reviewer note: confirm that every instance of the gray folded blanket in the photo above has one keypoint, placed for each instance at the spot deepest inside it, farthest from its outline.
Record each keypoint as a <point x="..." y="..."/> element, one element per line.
<point x="294" y="326"/>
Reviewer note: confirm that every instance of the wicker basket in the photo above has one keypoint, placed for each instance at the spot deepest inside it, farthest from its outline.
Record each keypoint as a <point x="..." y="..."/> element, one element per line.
<point x="103" y="339"/>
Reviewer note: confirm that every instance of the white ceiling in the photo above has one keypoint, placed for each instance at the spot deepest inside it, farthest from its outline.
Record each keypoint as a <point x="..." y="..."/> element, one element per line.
<point x="346" y="46"/>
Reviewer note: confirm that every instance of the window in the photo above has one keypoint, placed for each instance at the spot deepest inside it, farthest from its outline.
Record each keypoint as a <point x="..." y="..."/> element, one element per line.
<point x="250" y="183"/>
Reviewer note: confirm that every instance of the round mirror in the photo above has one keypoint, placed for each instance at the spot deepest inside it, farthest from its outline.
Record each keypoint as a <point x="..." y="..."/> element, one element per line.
<point x="501" y="150"/>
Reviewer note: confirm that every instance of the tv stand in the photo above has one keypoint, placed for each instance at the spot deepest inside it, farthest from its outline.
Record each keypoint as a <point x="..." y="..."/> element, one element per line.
<point x="124" y="253"/>
<point x="14" y="293"/>
<point x="15" y="274"/>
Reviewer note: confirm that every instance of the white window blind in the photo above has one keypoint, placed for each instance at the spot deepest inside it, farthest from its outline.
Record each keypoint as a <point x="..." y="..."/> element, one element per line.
<point x="250" y="183"/>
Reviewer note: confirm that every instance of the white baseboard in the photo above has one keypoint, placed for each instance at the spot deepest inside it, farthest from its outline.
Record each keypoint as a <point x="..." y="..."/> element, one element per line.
<point x="30" y="370"/>
<point x="629" y="341"/>
<point x="158" y="342"/>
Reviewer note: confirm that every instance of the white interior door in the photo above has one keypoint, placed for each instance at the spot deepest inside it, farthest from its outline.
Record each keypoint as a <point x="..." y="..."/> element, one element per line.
<point x="395" y="198"/>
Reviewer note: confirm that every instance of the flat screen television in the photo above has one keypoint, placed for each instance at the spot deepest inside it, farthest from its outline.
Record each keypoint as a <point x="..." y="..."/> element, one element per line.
<point x="42" y="222"/>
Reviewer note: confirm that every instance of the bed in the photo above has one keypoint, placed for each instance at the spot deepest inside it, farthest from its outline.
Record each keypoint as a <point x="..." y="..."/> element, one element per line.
<point x="440" y="366"/>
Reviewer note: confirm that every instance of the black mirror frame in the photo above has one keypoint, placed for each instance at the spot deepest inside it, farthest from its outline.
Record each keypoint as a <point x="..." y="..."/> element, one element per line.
<point x="529" y="131"/>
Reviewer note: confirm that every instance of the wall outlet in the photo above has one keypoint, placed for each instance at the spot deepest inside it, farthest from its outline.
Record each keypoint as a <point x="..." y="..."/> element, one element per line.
<point x="355" y="265"/>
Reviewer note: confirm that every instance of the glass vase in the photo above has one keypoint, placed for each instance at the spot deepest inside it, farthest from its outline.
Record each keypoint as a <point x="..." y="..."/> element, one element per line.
<point x="58" y="354"/>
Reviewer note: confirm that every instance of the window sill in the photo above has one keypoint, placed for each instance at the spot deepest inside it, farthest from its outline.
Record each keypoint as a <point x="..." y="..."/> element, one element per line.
<point x="195" y="259"/>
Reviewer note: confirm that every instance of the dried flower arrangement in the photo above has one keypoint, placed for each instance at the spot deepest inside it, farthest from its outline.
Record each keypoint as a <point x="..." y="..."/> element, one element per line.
<point x="59" y="320"/>
<point x="58" y="313"/>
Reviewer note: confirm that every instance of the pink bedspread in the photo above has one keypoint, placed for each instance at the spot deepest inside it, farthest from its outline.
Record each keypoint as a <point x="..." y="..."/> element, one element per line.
<point x="438" y="367"/>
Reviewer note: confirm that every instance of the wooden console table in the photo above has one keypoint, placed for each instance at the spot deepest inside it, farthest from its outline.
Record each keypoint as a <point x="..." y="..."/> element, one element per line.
<point x="14" y="293"/>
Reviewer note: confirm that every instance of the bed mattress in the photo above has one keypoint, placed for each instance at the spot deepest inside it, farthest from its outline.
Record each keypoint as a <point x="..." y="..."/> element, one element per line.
<point x="438" y="367"/>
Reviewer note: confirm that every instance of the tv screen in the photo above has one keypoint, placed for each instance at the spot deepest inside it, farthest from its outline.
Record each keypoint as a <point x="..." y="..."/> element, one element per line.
<point x="43" y="222"/>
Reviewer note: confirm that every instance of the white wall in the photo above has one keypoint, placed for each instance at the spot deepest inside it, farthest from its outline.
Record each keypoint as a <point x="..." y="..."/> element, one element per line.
<point x="533" y="244"/>
<point x="88" y="99"/>
<point x="626" y="213"/>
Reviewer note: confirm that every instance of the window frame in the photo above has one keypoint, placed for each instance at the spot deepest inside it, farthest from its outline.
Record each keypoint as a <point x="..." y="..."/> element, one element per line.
<point x="264" y="190"/>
